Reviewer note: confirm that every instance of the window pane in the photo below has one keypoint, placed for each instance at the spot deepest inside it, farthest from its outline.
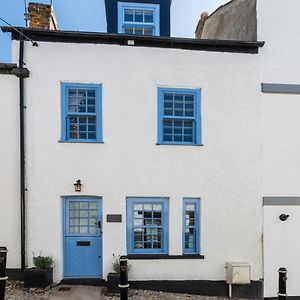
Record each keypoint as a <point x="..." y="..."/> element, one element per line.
<point x="147" y="221"/>
<point x="91" y="135"/>
<point x="83" y="229"/>
<point x="128" y="15"/>
<point x="74" y="222"/>
<point x="138" y="16"/>
<point x="177" y="138"/>
<point x="84" y="214"/>
<point x="93" y="230"/>
<point x="148" y="16"/>
<point x="190" y="238"/>
<point x="188" y="138"/>
<point x="93" y="213"/>
<point x="138" y="207"/>
<point x="157" y="214"/>
<point x="91" y="108"/>
<point x="128" y="30"/>
<point x="84" y="205"/>
<point x="179" y="97"/>
<point x="93" y="221"/>
<point x="138" y="236"/>
<point x="156" y="245"/>
<point x="138" y="31"/>
<point x="91" y="93"/>
<point x="138" y="245"/>
<point x="190" y="207"/>
<point x="157" y="207"/>
<point x="148" y="31"/>
<point x="138" y="222"/>
<point x="157" y="222"/>
<point x="74" y="230"/>
<point x="74" y="213"/>
<point x="74" y="205"/>
<point x="138" y="214"/>
<point x="84" y="221"/>
<point x="148" y="207"/>
<point x="93" y="205"/>
<point x="168" y="138"/>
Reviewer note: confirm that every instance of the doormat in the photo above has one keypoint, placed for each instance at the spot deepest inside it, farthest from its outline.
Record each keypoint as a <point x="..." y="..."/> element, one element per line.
<point x="64" y="289"/>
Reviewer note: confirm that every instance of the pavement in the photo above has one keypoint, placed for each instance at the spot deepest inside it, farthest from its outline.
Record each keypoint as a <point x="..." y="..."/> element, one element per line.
<point x="77" y="292"/>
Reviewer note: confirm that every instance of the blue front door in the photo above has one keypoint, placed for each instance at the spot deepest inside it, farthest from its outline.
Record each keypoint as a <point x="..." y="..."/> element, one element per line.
<point x="82" y="237"/>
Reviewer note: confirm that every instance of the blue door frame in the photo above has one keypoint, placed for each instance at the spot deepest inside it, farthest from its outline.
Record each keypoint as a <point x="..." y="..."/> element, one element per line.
<point x="82" y="237"/>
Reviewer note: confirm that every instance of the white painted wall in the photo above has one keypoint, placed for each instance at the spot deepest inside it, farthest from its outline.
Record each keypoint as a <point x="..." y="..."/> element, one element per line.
<point x="281" y="248"/>
<point x="9" y="170"/>
<point x="279" y="27"/>
<point x="224" y="172"/>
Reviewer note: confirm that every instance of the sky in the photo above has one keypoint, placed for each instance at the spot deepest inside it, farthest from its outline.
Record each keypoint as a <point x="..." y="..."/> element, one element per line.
<point x="89" y="15"/>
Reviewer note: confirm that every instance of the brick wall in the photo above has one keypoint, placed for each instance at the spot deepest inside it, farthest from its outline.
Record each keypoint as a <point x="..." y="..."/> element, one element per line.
<point x="41" y="16"/>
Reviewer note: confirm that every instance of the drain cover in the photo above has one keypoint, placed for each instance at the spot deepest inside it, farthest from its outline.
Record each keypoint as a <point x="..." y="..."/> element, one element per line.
<point x="64" y="289"/>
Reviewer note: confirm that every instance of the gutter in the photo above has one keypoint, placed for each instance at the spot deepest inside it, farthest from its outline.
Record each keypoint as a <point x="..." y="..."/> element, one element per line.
<point x="22" y="156"/>
<point x="21" y="73"/>
<point x="59" y="36"/>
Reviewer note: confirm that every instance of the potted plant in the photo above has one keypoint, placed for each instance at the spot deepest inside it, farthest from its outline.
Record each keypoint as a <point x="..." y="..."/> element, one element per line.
<point x="113" y="278"/>
<point x="41" y="275"/>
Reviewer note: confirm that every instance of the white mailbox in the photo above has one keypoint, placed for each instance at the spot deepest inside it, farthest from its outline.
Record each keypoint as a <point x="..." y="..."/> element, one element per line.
<point x="237" y="273"/>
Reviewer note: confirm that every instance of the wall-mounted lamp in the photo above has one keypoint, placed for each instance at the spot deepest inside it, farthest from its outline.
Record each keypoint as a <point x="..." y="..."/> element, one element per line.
<point x="77" y="185"/>
<point x="283" y="217"/>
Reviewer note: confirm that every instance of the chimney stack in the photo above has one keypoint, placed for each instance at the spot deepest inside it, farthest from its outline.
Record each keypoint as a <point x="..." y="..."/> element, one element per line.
<point x="41" y="16"/>
<point x="200" y="25"/>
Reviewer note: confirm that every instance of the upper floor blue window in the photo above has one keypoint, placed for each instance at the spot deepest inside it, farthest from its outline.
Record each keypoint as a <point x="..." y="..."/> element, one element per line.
<point x="147" y="225"/>
<point x="138" y="18"/>
<point x="81" y="112"/>
<point x="191" y="226"/>
<point x="179" y="118"/>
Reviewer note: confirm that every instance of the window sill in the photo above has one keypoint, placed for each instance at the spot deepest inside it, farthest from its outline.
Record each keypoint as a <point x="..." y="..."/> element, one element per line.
<point x="165" y="256"/>
<point x="80" y="142"/>
<point x="178" y="144"/>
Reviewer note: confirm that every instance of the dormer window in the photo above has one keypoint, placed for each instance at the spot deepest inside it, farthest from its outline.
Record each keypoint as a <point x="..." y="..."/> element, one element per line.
<point x="138" y="18"/>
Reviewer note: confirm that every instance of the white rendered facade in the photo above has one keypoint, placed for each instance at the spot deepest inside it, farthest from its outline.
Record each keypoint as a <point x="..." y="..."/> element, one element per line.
<point x="129" y="163"/>
<point x="249" y="151"/>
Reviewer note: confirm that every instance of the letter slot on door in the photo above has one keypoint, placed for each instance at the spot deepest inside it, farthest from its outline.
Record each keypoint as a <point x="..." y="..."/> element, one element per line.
<point x="83" y="243"/>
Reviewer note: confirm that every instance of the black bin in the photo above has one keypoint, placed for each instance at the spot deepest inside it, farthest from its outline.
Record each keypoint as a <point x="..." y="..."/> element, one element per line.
<point x="3" y="278"/>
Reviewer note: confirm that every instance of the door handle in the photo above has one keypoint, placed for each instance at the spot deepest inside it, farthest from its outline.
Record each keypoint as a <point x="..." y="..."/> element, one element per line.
<point x="100" y="226"/>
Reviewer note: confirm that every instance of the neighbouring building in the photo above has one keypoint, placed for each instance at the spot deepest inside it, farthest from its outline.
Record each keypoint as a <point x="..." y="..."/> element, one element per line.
<point x="186" y="149"/>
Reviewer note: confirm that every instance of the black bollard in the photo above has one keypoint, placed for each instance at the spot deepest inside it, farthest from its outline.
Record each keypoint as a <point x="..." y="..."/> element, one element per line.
<point x="282" y="295"/>
<point x="3" y="278"/>
<point x="123" y="278"/>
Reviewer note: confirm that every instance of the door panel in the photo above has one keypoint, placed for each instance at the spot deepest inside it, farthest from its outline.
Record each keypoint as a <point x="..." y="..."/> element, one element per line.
<point x="83" y="241"/>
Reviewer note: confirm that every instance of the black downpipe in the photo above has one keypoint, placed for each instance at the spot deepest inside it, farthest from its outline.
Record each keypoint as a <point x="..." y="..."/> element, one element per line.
<point x="22" y="155"/>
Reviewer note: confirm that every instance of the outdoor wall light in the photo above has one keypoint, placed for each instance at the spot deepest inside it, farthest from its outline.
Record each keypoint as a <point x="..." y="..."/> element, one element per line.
<point x="77" y="185"/>
<point x="283" y="217"/>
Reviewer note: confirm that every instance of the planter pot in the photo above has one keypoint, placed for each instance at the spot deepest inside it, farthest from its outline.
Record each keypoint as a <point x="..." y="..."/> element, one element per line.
<point x="35" y="277"/>
<point x="113" y="280"/>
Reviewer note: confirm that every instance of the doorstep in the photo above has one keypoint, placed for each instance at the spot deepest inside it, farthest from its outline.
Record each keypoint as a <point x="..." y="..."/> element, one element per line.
<point x="76" y="292"/>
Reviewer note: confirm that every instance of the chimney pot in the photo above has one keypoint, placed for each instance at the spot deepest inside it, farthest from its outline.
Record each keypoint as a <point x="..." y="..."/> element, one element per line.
<point x="204" y="16"/>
